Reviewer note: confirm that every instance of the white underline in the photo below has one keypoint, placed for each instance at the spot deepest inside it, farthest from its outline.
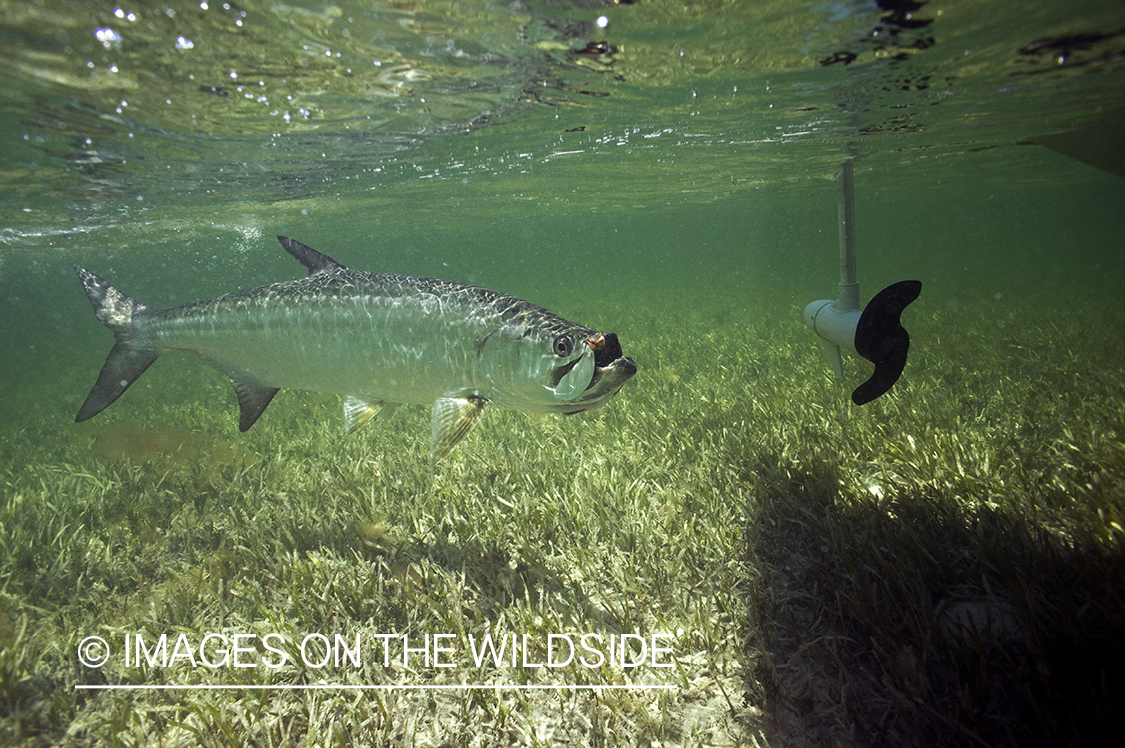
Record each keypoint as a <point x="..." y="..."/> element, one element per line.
<point x="345" y="687"/>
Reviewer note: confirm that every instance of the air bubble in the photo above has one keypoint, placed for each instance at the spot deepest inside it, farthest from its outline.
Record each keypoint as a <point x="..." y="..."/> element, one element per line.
<point x="108" y="37"/>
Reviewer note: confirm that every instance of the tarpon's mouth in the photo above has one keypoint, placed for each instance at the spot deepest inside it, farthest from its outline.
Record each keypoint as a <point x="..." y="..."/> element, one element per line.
<point x="606" y="349"/>
<point x="614" y="374"/>
<point x="593" y="377"/>
<point x="611" y="368"/>
<point x="607" y="354"/>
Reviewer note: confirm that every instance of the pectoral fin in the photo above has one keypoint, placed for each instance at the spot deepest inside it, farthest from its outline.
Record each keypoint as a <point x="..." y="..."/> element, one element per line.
<point x="453" y="418"/>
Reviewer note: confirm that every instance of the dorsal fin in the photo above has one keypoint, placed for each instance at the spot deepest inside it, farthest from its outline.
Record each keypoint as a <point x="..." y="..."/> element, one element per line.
<point x="309" y="257"/>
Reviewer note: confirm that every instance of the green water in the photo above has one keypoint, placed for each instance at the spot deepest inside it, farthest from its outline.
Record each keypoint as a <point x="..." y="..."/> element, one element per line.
<point x="677" y="190"/>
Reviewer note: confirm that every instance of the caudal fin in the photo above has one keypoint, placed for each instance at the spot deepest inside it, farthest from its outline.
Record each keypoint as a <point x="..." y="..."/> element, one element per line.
<point x="126" y="361"/>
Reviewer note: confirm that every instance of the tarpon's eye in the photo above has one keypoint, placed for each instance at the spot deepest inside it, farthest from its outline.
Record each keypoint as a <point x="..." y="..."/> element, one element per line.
<point x="563" y="345"/>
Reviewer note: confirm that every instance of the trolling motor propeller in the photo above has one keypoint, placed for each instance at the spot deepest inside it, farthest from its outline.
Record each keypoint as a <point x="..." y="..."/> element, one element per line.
<point x="875" y="333"/>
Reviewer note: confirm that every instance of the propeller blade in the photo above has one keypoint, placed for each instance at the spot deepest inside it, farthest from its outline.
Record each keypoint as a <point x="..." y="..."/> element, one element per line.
<point x="881" y="339"/>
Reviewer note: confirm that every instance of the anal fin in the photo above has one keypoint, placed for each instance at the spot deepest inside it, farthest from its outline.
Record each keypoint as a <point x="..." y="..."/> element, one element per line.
<point x="253" y="396"/>
<point x="252" y="401"/>
<point x="452" y="420"/>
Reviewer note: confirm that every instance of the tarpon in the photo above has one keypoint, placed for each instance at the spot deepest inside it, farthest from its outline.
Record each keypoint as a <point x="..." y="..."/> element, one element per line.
<point x="378" y="339"/>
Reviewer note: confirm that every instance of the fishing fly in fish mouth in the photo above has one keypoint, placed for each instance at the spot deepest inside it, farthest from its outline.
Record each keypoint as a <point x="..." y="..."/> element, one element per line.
<point x="378" y="339"/>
